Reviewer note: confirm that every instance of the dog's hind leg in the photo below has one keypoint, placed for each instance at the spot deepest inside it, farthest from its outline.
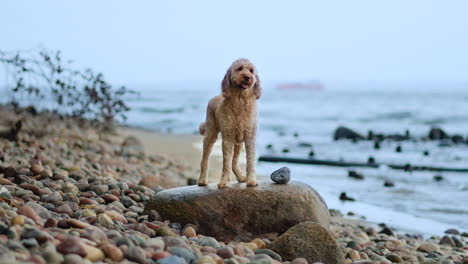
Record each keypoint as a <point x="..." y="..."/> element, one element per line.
<point x="228" y="148"/>
<point x="208" y="142"/>
<point x="235" y="163"/>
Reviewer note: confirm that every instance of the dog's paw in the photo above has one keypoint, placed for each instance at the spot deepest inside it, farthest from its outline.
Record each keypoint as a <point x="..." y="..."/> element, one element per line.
<point x="202" y="183"/>
<point x="222" y="185"/>
<point x="252" y="183"/>
<point x="241" y="179"/>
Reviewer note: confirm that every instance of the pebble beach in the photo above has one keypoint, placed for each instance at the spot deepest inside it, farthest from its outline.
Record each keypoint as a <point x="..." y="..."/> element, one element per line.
<point x="70" y="193"/>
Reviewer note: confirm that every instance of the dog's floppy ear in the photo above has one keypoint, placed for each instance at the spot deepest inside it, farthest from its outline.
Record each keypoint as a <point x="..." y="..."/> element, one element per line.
<point x="226" y="83"/>
<point x="257" y="88"/>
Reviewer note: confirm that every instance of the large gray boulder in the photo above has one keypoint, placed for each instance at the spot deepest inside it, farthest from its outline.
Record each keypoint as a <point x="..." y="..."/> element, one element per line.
<point x="240" y="212"/>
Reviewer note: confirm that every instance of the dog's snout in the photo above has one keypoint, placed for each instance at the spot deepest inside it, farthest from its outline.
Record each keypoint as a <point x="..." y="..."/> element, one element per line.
<point x="247" y="78"/>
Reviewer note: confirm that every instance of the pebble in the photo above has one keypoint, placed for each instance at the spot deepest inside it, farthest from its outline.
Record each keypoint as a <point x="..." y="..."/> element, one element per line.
<point x="73" y="259"/>
<point x="428" y="247"/>
<point x="205" y="260"/>
<point x="28" y="211"/>
<point x="446" y="240"/>
<point x="452" y="231"/>
<point x="189" y="232"/>
<point x="185" y="253"/>
<point x="299" y="261"/>
<point x="260" y="243"/>
<point x="135" y="253"/>
<point x="94" y="254"/>
<point x="394" y="258"/>
<point x="160" y="255"/>
<point x="18" y="220"/>
<point x="112" y="252"/>
<point x="64" y="209"/>
<point x="270" y="253"/>
<point x="225" y="253"/>
<point x="172" y="260"/>
<point x="281" y="176"/>
<point x="72" y="245"/>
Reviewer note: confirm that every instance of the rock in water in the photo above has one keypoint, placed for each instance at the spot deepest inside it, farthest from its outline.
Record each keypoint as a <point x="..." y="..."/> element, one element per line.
<point x="240" y="212"/>
<point x="346" y="133"/>
<point x="311" y="241"/>
<point x="437" y="133"/>
<point x="281" y="176"/>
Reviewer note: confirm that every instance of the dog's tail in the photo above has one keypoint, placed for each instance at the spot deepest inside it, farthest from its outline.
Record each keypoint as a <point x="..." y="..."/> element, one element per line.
<point x="202" y="128"/>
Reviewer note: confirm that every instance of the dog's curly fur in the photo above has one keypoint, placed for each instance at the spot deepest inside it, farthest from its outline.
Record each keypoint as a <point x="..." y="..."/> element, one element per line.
<point x="234" y="114"/>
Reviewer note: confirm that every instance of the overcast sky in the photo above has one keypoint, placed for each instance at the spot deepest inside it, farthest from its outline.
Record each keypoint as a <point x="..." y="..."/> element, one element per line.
<point x="148" y="41"/>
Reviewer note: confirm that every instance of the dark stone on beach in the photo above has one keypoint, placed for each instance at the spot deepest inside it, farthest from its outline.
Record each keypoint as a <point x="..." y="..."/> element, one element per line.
<point x="370" y="135"/>
<point x="394" y="258"/>
<point x="281" y="176"/>
<point x="191" y="181"/>
<point x="464" y="234"/>
<point x="136" y="254"/>
<point x="452" y="231"/>
<point x="376" y="145"/>
<point x="344" y="197"/>
<point x="457" y="139"/>
<point x="355" y="175"/>
<point x="446" y="240"/>
<point x="458" y="242"/>
<point x="426" y="153"/>
<point x="371" y="160"/>
<point x="269" y="146"/>
<point x="240" y="212"/>
<point x="304" y="145"/>
<point x="285" y="150"/>
<point x="311" y="154"/>
<point x="398" y="149"/>
<point x="296" y="135"/>
<point x="437" y="134"/>
<point x="311" y="241"/>
<point x="408" y="167"/>
<point x="351" y="244"/>
<point x="438" y="178"/>
<point x="346" y="133"/>
<point x="386" y="230"/>
<point x="389" y="184"/>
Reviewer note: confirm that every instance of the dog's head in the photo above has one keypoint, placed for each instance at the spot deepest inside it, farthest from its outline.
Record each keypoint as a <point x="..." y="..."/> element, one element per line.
<point x="241" y="78"/>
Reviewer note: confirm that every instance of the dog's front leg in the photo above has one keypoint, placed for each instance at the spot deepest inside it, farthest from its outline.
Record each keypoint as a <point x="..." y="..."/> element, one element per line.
<point x="250" y="151"/>
<point x="228" y="148"/>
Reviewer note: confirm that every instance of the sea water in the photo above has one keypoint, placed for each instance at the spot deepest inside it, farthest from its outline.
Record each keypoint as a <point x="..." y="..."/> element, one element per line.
<point x="288" y="118"/>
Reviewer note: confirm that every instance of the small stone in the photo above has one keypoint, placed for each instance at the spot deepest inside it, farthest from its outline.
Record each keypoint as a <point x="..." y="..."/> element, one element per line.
<point x="225" y="253"/>
<point x="171" y="260"/>
<point x="54" y="198"/>
<point x="281" y="176"/>
<point x="452" y="231"/>
<point x="208" y="241"/>
<point x="18" y="220"/>
<point x="116" y="216"/>
<point x="160" y="255"/>
<point x="355" y="175"/>
<point x="109" y="198"/>
<point x="72" y="245"/>
<point x="77" y="223"/>
<point x="64" y="209"/>
<point x="428" y="247"/>
<point x="189" y="232"/>
<point x="446" y="240"/>
<point x="28" y="211"/>
<point x="270" y="253"/>
<point x="100" y="189"/>
<point x="135" y="253"/>
<point x="394" y="258"/>
<point x="251" y="246"/>
<point x="73" y="259"/>
<point x="389" y="184"/>
<point x="37" y="168"/>
<point x="51" y="222"/>
<point x="205" y="260"/>
<point x="387" y="231"/>
<point x="185" y="253"/>
<point x="458" y="242"/>
<point x="112" y="252"/>
<point x="260" y="243"/>
<point x="156" y="243"/>
<point x="40" y="210"/>
<point x="94" y="254"/>
<point x="353" y="255"/>
<point x="166" y="231"/>
<point x="299" y="261"/>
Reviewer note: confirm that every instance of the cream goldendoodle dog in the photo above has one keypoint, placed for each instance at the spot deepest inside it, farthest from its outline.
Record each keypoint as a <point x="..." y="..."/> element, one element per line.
<point x="234" y="114"/>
